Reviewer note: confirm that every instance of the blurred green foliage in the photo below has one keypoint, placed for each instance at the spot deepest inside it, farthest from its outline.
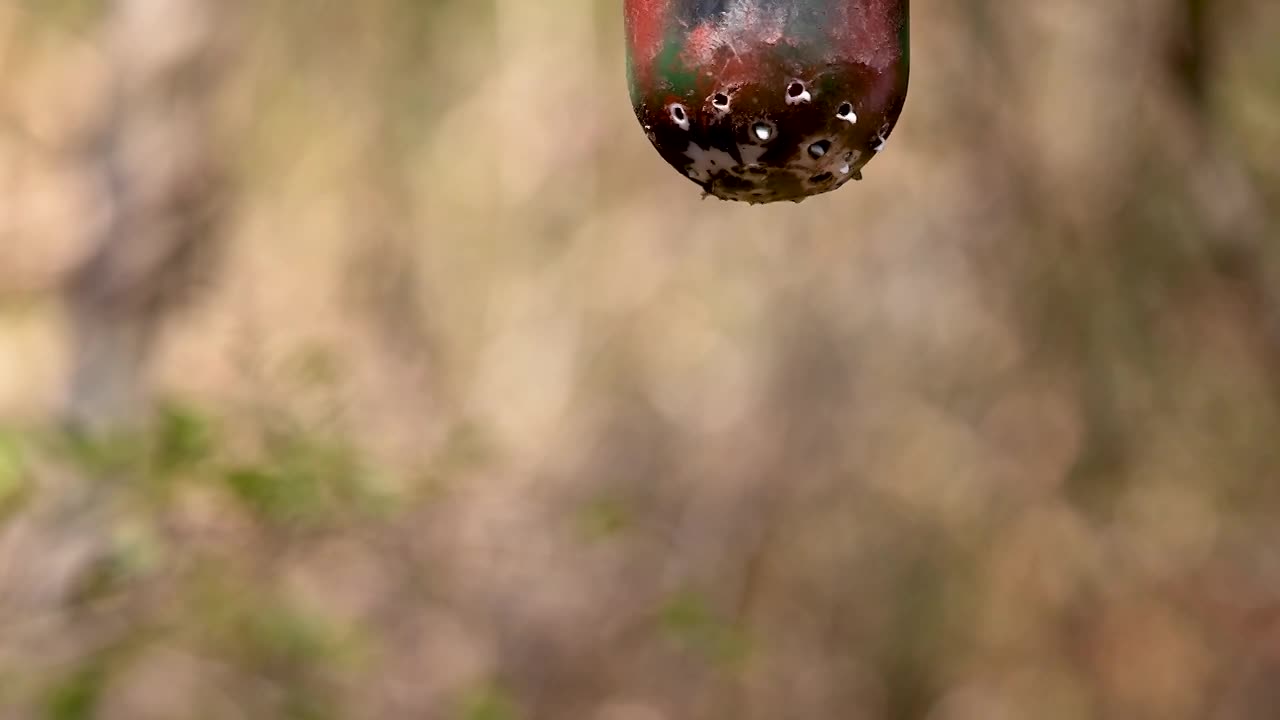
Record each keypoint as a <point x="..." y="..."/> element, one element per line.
<point x="488" y="703"/>
<point x="687" y="618"/>
<point x="13" y="472"/>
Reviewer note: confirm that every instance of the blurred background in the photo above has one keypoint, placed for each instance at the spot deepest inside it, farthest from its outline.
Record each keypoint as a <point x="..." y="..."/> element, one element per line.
<point x="362" y="360"/>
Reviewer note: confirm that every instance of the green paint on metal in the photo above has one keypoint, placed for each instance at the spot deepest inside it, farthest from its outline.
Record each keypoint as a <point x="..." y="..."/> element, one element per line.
<point x="632" y="81"/>
<point x="904" y="37"/>
<point x="808" y="28"/>
<point x="670" y="66"/>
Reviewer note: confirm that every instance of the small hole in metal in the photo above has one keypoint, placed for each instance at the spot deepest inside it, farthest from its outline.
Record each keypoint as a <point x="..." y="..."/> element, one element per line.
<point x="720" y="100"/>
<point x="679" y="116"/>
<point x="819" y="148"/>
<point x="795" y="89"/>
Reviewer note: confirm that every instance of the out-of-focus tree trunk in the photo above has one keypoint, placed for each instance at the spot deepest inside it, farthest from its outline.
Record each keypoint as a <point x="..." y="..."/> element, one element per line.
<point x="1190" y="64"/>
<point x="1189" y="48"/>
<point x="1235" y="216"/>
<point x="160" y="195"/>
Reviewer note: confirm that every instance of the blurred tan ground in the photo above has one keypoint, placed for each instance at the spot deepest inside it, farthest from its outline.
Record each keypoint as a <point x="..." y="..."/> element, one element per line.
<point x="989" y="435"/>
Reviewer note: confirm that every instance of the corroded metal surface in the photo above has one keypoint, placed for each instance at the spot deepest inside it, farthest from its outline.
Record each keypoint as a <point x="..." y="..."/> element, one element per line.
<point x="768" y="100"/>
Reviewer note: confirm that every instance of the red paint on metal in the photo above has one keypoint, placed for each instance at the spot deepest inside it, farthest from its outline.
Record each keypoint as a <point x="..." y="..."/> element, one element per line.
<point x="701" y="44"/>
<point x="646" y="24"/>
<point x="868" y="32"/>
<point x="751" y="32"/>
